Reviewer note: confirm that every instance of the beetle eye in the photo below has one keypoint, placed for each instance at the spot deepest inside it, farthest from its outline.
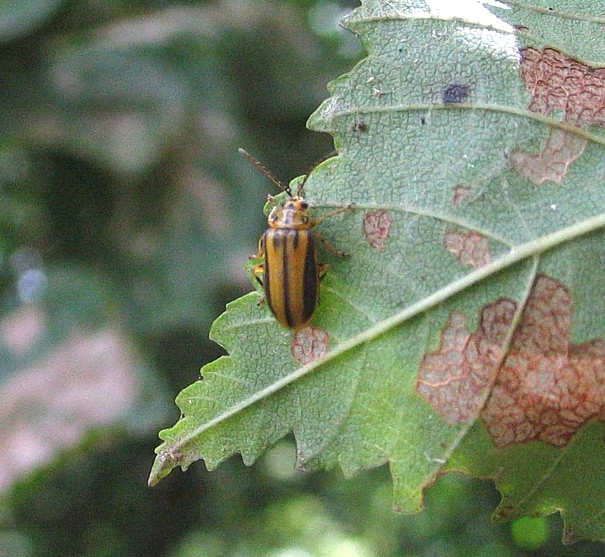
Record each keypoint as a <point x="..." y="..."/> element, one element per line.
<point x="304" y="205"/>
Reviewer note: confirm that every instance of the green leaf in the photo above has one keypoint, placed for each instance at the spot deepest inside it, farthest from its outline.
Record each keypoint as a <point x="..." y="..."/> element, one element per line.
<point x="465" y="330"/>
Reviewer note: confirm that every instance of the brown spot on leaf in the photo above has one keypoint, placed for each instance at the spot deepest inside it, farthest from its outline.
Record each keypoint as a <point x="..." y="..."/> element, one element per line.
<point x="545" y="389"/>
<point x="453" y="379"/>
<point x="559" y="83"/>
<point x="461" y="194"/>
<point x="376" y="227"/>
<point x="552" y="163"/>
<point x="470" y="248"/>
<point x="309" y="344"/>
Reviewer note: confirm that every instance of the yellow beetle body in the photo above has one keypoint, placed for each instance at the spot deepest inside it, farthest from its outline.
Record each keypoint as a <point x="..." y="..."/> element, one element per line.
<point x="290" y="272"/>
<point x="290" y="269"/>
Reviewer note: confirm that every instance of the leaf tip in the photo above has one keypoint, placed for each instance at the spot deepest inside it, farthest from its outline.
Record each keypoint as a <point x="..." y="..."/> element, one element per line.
<point x="569" y="536"/>
<point x="163" y="464"/>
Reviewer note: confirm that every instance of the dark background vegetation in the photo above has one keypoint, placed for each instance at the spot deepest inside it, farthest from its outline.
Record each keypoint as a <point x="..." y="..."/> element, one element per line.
<point x="127" y="216"/>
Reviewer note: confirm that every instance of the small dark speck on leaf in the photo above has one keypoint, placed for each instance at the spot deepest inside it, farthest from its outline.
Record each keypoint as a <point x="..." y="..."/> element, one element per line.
<point x="359" y="127"/>
<point x="455" y="93"/>
<point x="422" y="120"/>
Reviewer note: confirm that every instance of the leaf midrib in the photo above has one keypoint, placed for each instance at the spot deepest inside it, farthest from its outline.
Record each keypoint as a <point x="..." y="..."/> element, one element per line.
<point x="516" y="255"/>
<point x="488" y="107"/>
<point x="556" y="13"/>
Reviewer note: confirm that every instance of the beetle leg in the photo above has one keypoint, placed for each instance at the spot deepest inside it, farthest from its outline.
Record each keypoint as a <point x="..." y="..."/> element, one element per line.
<point x="261" y="248"/>
<point x="322" y="269"/>
<point x="316" y="221"/>
<point x="258" y="271"/>
<point x="329" y="246"/>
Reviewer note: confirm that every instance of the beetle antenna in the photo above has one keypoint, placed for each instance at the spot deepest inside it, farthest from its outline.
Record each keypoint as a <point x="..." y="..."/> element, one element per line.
<point x="265" y="171"/>
<point x="301" y="188"/>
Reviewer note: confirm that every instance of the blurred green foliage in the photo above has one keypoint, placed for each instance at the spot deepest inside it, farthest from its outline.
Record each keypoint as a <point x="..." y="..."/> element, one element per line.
<point x="126" y="219"/>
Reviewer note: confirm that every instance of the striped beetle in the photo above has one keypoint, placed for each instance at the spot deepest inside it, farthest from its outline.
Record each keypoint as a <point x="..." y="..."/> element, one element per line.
<point x="290" y="271"/>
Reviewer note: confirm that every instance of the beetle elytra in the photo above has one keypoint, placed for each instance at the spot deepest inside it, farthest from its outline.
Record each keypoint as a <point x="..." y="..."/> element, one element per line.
<point x="290" y="272"/>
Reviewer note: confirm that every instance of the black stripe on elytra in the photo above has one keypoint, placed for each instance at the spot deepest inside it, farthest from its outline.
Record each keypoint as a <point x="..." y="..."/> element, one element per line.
<point x="267" y="273"/>
<point x="310" y="279"/>
<point x="285" y="285"/>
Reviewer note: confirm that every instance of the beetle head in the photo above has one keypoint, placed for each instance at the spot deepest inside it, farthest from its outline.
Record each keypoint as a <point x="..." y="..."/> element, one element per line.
<point x="292" y="214"/>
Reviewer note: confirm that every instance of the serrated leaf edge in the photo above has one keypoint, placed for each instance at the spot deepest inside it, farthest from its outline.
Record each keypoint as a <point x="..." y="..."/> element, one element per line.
<point x="164" y="462"/>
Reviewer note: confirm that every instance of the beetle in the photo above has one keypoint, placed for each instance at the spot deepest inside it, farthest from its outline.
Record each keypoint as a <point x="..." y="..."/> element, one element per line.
<point x="290" y="270"/>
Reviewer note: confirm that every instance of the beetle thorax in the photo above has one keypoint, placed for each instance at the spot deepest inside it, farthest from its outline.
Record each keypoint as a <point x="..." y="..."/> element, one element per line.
<point x="293" y="214"/>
